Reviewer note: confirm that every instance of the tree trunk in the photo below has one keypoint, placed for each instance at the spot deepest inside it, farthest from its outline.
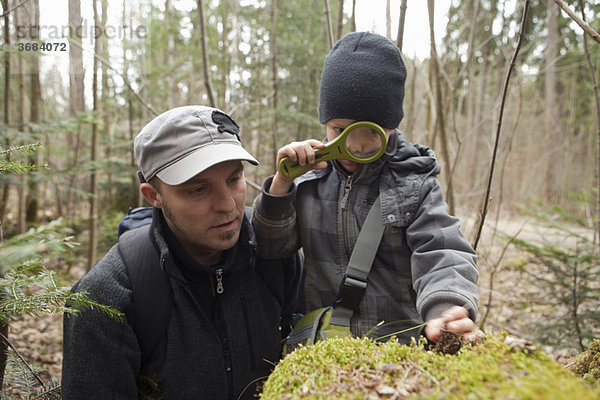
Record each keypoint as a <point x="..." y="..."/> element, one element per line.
<point x="93" y="218"/>
<point x="273" y="44"/>
<point x="340" y="20"/>
<point x="256" y="134"/>
<point x="134" y="200"/>
<point x="553" y="135"/>
<point x="33" y="198"/>
<point x="22" y="195"/>
<point x="439" y="107"/>
<point x="597" y="108"/>
<point x="7" y="101"/>
<point x="107" y="129"/>
<point x="471" y="125"/>
<point x="76" y="72"/>
<point x="400" y="37"/>
<point x="205" y="65"/>
<point x="328" y="24"/>
<point x="76" y="105"/>
<point x="353" y="24"/>
<point x="388" y="20"/>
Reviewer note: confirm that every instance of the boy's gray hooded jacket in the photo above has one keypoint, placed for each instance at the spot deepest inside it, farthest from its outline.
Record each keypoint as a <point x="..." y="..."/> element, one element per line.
<point x="216" y="344"/>
<point x="424" y="264"/>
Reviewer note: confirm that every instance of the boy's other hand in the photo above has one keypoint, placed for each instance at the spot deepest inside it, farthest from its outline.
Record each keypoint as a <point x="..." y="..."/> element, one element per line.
<point x="455" y="319"/>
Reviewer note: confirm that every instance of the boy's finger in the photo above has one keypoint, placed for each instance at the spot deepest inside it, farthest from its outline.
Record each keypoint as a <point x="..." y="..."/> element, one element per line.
<point x="433" y="330"/>
<point x="464" y="325"/>
<point x="456" y="312"/>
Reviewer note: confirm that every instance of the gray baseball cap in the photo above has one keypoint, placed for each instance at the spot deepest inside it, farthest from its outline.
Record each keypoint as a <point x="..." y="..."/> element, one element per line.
<point x="184" y="141"/>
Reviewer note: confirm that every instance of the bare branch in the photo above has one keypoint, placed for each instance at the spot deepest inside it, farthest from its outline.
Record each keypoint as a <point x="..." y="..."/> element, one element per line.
<point x="586" y="28"/>
<point x="13" y="9"/>
<point x="499" y="127"/>
<point x="36" y="376"/>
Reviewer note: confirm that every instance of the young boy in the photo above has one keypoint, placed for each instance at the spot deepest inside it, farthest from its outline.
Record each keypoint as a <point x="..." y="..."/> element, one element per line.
<point x="424" y="269"/>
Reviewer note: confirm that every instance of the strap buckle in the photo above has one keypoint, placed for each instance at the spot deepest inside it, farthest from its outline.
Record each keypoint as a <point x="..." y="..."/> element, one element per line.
<point x="351" y="292"/>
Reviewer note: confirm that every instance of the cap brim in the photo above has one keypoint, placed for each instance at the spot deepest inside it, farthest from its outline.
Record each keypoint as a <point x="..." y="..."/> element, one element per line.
<point x="201" y="159"/>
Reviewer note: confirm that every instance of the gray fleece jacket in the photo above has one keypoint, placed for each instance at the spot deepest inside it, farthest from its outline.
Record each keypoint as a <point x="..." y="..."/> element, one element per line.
<point x="424" y="264"/>
<point x="216" y="344"/>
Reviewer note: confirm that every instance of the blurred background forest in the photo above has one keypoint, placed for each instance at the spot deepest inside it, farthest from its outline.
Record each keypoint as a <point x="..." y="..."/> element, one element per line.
<point x="71" y="106"/>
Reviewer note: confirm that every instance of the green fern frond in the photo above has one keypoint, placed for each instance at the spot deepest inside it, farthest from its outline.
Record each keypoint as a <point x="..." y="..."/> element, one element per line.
<point x="40" y="293"/>
<point x="10" y="166"/>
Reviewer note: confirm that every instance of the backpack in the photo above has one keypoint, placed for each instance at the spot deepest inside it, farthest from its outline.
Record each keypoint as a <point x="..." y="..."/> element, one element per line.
<point x="150" y="285"/>
<point x="134" y="219"/>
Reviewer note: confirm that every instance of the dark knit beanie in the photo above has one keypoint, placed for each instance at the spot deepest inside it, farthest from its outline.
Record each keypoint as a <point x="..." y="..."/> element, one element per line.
<point x="363" y="79"/>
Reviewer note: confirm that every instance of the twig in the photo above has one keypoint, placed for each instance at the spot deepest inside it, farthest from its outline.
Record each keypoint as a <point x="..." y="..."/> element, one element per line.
<point x="13" y="9"/>
<point x="5" y="340"/>
<point x="498" y="130"/>
<point x="437" y="383"/>
<point x="493" y="273"/>
<point x="250" y="384"/>
<point x="254" y="185"/>
<point x="586" y="28"/>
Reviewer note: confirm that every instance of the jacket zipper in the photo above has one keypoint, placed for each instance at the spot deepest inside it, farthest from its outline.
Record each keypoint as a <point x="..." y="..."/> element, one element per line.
<point x="345" y="212"/>
<point x="219" y="277"/>
<point x="222" y="332"/>
<point x="228" y="370"/>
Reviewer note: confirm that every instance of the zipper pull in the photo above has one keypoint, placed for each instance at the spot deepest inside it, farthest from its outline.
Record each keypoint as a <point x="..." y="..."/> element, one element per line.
<point x="347" y="188"/>
<point x="219" y="277"/>
<point x="348" y="184"/>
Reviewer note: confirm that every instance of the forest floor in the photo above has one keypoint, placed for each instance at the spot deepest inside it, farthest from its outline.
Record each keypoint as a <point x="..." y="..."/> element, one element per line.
<point x="39" y="339"/>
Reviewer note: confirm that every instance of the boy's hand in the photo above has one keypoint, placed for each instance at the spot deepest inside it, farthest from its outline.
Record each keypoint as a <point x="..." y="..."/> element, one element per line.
<point x="303" y="153"/>
<point x="455" y="319"/>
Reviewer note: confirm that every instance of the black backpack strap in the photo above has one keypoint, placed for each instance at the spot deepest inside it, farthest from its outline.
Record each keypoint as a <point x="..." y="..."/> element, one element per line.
<point x="354" y="283"/>
<point x="150" y="286"/>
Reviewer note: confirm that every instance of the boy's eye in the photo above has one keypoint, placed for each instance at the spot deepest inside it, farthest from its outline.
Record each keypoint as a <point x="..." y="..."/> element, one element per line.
<point x="339" y="130"/>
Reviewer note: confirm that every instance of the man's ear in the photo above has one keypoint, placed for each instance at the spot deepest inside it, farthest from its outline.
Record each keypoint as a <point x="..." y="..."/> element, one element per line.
<point x="151" y="194"/>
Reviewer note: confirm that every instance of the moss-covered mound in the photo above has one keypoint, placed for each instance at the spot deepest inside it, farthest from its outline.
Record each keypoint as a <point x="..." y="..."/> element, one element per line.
<point x="587" y="364"/>
<point x="343" y="368"/>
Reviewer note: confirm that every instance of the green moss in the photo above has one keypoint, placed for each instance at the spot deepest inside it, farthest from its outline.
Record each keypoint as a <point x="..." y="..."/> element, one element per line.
<point x="587" y="364"/>
<point x="344" y="368"/>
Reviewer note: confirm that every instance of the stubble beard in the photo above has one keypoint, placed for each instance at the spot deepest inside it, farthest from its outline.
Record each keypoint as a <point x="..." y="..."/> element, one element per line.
<point x="223" y="237"/>
<point x="228" y="235"/>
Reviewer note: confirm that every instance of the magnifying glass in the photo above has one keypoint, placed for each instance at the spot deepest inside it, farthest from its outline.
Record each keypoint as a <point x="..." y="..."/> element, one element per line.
<point x="362" y="142"/>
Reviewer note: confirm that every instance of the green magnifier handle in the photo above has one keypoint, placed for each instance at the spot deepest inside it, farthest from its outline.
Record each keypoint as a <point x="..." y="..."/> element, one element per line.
<point x="369" y="137"/>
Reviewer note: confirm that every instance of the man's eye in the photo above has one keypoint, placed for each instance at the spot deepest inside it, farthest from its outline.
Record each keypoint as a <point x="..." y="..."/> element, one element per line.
<point x="339" y="130"/>
<point x="198" y="190"/>
<point x="235" y="179"/>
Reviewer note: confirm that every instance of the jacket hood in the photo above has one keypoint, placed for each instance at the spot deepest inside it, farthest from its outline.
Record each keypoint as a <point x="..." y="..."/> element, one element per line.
<point x="401" y="158"/>
<point x="412" y="158"/>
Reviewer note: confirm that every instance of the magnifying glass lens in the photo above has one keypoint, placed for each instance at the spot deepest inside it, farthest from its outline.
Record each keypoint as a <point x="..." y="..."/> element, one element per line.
<point x="363" y="142"/>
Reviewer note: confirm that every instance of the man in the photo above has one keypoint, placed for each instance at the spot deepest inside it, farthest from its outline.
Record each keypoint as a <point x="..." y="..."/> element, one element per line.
<point x="223" y="331"/>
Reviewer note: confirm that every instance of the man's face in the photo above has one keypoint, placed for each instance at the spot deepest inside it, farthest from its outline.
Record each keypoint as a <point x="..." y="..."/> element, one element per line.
<point x="205" y="213"/>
